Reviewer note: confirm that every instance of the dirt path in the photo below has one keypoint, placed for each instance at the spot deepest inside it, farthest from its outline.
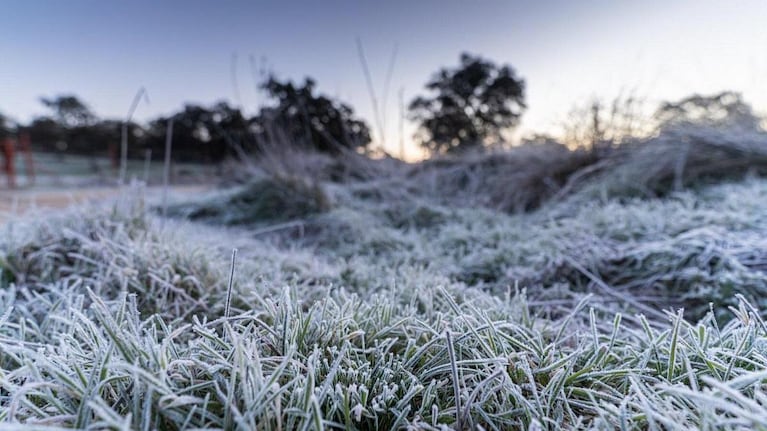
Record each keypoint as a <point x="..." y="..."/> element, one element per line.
<point x="17" y="202"/>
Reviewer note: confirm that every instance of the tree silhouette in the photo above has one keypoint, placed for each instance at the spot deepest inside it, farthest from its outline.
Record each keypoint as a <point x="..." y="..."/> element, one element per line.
<point x="473" y="104"/>
<point x="315" y="121"/>
<point x="5" y="125"/>
<point x="73" y="128"/>
<point x="200" y="133"/>
<point x="69" y="111"/>
<point x="47" y="134"/>
<point x="723" y="110"/>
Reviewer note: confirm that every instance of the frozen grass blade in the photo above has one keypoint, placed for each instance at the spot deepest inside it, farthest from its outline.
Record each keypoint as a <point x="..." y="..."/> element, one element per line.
<point x="230" y="284"/>
<point x="124" y="133"/>
<point x="166" y="167"/>
<point x="455" y="378"/>
<point x="678" y="319"/>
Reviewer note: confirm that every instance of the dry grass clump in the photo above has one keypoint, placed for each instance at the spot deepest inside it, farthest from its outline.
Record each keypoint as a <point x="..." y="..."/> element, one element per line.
<point x="518" y="180"/>
<point x="288" y="160"/>
<point x="677" y="159"/>
<point x="524" y="178"/>
<point x="262" y="200"/>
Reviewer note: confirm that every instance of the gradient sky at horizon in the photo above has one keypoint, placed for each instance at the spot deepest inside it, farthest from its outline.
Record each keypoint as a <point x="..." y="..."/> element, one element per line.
<point x="567" y="51"/>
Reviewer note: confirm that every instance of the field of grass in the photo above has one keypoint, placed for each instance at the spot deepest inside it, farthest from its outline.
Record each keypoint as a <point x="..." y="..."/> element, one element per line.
<point x="376" y="304"/>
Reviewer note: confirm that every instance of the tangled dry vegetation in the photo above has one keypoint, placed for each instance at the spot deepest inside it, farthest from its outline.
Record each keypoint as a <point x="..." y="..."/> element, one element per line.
<point x="528" y="177"/>
<point x="380" y="303"/>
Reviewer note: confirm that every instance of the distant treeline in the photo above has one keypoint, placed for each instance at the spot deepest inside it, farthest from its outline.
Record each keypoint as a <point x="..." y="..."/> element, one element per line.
<point x="469" y="107"/>
<point x="201" y="133"/>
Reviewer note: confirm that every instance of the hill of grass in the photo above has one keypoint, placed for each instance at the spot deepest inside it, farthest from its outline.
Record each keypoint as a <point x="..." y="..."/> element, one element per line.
<point x="381" y="304"/>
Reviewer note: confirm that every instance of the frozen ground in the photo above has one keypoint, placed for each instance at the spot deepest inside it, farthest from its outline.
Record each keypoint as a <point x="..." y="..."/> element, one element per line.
<point x="377" y="309"/>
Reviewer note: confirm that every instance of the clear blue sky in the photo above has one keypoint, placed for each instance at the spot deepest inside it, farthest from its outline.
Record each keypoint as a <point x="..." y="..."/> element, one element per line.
<point x="568" y="51"/>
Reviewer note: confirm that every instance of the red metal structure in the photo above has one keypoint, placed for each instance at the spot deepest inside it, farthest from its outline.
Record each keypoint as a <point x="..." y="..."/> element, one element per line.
<point x="8" y="161"/>
<point x="9" y="147"/>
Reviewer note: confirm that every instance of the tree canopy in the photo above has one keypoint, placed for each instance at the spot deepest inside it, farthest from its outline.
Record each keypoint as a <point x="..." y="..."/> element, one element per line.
<point x="470" y="107"/>
<point x="201" y="133"/>
<point x="314" y="121"/>
<point x="4" y="125"/>
<point x="723" y="110"/>
<point x="69" y="110"/>
<point x="295" y="116"/>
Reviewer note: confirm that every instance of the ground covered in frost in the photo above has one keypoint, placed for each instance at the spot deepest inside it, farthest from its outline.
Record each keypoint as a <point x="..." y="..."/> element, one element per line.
<point x="371" y="308"/>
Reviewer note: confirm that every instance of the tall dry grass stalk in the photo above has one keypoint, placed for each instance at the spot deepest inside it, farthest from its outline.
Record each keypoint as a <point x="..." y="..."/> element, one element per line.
<point x="166" y="167"/>
<point x="124" y="133"/>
